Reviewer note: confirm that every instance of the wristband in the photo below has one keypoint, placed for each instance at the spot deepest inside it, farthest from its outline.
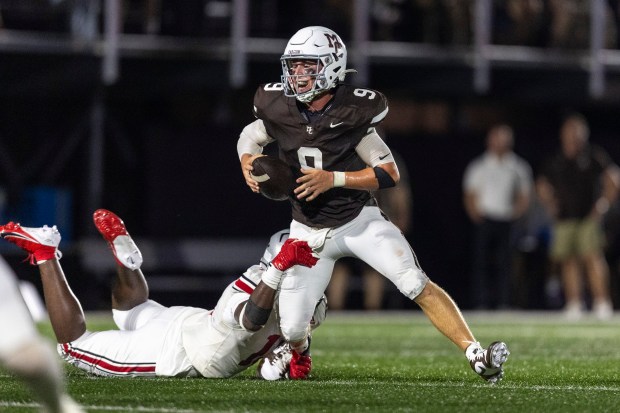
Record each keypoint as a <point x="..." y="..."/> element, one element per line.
<point x="384" y="178"/>
<point x="339" y="179"/>
<point x="272" y="277"/>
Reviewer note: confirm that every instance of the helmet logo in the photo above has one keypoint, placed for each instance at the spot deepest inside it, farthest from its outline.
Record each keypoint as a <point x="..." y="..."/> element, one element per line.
<point x="334" y="42"/>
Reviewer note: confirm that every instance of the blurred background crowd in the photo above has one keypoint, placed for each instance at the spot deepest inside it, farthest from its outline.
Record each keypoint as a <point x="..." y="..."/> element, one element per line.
<point x="136" y="106"/>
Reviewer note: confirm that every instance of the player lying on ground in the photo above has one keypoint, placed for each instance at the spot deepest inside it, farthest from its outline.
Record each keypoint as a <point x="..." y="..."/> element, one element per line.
<point x="169" y="341"/>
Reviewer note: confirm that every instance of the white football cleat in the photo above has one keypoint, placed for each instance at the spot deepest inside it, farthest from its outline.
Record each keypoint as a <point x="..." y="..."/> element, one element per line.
<point x="274" y="366"/>
<point x="488" y="363"/>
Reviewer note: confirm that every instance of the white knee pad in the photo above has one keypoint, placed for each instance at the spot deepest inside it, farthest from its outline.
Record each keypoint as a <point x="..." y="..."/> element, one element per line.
<point x="412" y="282"/>
<point x="295" y="333"/>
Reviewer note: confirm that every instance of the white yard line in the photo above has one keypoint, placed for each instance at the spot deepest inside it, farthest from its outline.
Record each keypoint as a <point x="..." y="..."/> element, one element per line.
<point x="141" y="409"/>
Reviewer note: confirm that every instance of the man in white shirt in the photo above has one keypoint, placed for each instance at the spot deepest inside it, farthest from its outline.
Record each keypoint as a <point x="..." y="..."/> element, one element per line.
<point x="497" y="186"/>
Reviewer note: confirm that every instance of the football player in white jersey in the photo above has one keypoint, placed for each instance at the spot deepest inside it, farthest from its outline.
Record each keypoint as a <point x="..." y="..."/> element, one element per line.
<point x="25" y="353"/>
<point x="154" y="340"/>
<point x="325" y="130"/>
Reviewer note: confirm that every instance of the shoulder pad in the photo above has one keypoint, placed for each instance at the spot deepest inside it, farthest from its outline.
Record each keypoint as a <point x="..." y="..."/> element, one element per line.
<point x="265" y="95"/>
<point x="368" y="105"/>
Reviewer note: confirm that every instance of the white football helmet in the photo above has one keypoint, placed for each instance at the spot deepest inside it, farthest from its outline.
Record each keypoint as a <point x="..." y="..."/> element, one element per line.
<point x="320" y="44"/>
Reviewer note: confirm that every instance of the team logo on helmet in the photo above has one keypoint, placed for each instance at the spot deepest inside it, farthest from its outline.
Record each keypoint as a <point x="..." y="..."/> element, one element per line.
<point x="334" y="42"/>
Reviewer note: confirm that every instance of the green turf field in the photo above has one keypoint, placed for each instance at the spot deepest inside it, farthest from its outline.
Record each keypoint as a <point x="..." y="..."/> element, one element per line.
<point x="389" y="362"/>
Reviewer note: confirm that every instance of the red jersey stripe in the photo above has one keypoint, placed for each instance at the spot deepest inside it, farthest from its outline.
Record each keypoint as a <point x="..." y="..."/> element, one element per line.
<point x="243" y="286"/>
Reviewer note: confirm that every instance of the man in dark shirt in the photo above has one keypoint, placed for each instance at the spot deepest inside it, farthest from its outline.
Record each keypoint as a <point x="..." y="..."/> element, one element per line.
<point x="577" y="186"/>
<point x="326" y="132"/>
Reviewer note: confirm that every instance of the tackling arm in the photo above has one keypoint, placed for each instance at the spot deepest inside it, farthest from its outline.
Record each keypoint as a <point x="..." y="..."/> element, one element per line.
<point x="253" y="314"/>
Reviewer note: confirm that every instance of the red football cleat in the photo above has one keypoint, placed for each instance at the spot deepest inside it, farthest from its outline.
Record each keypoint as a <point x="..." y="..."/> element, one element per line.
<point x="41" y="244"/>
<point x="113" y="230"/>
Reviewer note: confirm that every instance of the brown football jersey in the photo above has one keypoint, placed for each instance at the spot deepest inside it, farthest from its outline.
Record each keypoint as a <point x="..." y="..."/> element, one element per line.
<point x="326" y="140"/>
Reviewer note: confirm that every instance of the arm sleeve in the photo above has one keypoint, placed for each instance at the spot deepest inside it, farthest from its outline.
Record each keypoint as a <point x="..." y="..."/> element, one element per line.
<point x="253" y="138"/>
<point x="228" y="315"/>
<point x="373" y="150"/>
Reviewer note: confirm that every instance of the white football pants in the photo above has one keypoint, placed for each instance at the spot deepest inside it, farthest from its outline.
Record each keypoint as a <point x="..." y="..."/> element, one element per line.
<point x="369" y="237"/>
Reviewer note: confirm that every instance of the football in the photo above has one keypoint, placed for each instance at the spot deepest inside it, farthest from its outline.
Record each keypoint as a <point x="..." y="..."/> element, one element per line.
<point x="274" y="177"/>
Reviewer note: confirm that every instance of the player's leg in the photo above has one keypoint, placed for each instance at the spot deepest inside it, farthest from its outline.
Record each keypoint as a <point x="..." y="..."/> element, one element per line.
<point x="381" y="244"/>
<point x="63" y="307"/>
<point x="302" y="288"/>
<point x="300" y="291"/>
<point x="131" y="307"/>
<point x="129" y="287"/>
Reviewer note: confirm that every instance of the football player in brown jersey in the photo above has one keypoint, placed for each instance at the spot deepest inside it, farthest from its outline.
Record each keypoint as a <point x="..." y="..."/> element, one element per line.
<point x="325" y="130"/>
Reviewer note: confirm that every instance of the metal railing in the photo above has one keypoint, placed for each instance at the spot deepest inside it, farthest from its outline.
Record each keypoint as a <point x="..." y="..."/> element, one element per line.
<point x="240" y="49"/>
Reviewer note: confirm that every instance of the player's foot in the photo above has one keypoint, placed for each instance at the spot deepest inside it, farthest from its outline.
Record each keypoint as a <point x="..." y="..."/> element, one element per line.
<point x="488" y="363"/>
<point x="113" y="230"/>
<point x="41" y="244"/>
<point x="275" y="365"/>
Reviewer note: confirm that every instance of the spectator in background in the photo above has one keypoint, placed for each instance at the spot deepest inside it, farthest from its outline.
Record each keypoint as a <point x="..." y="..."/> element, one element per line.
<point x="497" y="187"/>
<point x="520" y="22"/>
<point x="396" y="203"/>
<point x="577" y="186"/>
<point x="570" y="24"/>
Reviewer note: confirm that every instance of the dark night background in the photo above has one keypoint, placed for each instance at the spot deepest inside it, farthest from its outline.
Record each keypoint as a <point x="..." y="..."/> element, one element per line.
<point x="171" y="125"/>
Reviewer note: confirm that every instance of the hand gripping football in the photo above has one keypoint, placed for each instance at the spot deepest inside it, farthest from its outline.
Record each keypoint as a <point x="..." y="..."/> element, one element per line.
<point x="274" y="177"/>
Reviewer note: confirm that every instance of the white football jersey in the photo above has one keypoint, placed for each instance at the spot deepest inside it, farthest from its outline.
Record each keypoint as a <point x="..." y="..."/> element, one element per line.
<point x="215" y="342"/>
